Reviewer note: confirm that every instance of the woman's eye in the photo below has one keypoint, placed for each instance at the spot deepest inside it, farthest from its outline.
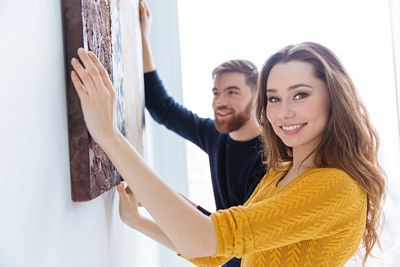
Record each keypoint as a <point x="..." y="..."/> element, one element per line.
<point x="273" y="99"/>
<point x="300" y="96"/>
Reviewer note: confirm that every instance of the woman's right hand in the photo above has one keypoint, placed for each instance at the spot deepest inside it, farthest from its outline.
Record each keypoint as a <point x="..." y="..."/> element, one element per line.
<point x="128" y="205"/>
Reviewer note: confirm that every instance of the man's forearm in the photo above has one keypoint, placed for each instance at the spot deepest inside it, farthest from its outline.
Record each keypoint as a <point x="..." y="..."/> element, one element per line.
<point x="148" y="62"/>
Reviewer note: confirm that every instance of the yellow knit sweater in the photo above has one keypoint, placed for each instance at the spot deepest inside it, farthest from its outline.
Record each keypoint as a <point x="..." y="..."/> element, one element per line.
<point x="318" y="219"/>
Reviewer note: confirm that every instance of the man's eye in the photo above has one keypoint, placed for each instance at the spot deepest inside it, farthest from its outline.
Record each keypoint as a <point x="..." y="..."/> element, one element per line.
<point x="232" y="93"/>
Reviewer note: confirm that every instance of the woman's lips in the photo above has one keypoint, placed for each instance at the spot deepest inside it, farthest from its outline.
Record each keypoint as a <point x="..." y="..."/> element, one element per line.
<point x="293" y="128"/>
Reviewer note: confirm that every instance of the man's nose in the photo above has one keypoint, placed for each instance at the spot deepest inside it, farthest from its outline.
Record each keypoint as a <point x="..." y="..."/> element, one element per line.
<point x="220" y="101"/>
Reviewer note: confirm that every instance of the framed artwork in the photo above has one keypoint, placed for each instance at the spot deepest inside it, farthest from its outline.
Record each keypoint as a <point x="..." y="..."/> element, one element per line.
<point x="111" y="29"/>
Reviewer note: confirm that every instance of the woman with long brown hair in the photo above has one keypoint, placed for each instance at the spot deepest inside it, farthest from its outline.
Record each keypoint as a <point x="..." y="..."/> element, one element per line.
<point x="348" y="142"/>
<point x="320" y="198"/>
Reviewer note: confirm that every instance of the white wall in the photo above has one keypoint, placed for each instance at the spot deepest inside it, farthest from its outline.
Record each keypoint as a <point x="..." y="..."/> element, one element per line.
<point x="39" y="225"/>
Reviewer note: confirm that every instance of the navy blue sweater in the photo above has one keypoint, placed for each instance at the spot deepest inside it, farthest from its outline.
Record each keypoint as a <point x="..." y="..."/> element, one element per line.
<point x="236" y="167"/>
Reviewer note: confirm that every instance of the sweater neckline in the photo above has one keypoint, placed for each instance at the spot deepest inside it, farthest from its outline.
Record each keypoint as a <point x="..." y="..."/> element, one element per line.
<point x="281" y="174"/>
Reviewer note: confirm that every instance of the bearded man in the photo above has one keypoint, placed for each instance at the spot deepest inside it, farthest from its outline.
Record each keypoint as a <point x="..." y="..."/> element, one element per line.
<point x="231" y="140"/>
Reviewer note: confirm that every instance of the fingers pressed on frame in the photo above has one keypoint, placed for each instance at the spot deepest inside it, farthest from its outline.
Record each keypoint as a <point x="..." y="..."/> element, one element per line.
<point x="101" y="69"/>
<point x="83" y="75"/>
<point x="91" y="68"/>
<point x="144" y="11"/>
<point x="103" y="73"/>
<point x="79" y="88"/>
<point x="141" y="7"/>
<point x="121" y="189"/>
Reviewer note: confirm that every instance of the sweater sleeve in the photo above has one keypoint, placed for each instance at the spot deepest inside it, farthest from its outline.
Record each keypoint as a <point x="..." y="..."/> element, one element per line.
<point x="165" y="110"/>
<point x="320" y="205"/>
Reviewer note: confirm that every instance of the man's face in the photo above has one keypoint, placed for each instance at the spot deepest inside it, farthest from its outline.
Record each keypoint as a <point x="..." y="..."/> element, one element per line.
<point x="232" y="102"/>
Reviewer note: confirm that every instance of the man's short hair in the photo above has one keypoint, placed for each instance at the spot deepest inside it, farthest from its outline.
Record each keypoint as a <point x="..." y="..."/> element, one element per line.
<point x="241" y="66"/>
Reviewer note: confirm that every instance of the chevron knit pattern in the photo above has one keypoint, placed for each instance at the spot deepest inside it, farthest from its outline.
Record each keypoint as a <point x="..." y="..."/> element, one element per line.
<point x="318" y="219"/>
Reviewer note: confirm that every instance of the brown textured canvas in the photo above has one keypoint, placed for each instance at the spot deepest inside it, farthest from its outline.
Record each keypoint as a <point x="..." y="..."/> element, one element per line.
<point x="97" y="25"/>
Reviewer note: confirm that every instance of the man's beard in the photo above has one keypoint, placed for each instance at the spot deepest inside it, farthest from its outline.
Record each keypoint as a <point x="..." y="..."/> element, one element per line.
<point x="234" y="122"/>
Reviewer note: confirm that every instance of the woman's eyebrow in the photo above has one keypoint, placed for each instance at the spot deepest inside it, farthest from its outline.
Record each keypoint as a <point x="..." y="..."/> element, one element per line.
<point x="292" y="87"/>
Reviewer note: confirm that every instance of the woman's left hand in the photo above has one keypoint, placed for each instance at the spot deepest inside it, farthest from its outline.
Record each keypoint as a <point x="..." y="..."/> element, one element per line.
<point x="128" y="205"/>
<point x="97" y="96"/>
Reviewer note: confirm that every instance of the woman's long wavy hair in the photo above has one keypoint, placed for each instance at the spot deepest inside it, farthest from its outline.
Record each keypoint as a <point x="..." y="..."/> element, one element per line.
<point x="349" y="141"/>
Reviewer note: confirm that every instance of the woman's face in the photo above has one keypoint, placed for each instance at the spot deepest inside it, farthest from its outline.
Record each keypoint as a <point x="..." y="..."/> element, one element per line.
<point x="297" y="104"/>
